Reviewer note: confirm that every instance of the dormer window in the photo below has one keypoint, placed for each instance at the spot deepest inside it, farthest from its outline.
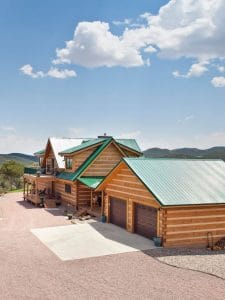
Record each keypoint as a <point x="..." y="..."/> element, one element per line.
<point x="69" y="163"/>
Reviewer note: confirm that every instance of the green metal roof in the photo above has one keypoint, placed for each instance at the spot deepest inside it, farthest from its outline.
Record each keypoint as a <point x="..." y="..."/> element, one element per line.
<point x="40" y="152"/>
<point x="129" y="143"/>
<point x="82" y="146"/>
<point x="181" y="181"/>
<point x="74" y="175"/>
<point x="91" y="182"/>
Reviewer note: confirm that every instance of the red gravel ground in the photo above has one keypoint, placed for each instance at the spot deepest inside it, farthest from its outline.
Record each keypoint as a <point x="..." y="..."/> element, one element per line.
<point x="28" y="270"/>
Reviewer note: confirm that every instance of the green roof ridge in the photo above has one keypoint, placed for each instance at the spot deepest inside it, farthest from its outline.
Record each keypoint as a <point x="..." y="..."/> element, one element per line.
<point x="83" y="146"/>
<point x="130" y="144"/>
<point x="74" y="175"/>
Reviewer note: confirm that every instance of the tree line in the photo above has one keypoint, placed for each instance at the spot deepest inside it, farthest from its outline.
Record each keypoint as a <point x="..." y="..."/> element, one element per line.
<point x="11" y="173"/>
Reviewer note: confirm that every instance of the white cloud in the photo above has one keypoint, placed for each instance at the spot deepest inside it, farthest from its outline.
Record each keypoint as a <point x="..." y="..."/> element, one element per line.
<point x="196" y="70"/>
<point x="122" y="23"/>
<point x="186" y="119"/>
<point x="53" y="72"/>
<point x="61" y="74"/>
<point x="191" y="29"/>
<point x="221" y="69"/>
<point x="182" y="28"/>
<point x="93" y="45"/>
<point x="218" y="81"/>
<point x="28" y="70"/>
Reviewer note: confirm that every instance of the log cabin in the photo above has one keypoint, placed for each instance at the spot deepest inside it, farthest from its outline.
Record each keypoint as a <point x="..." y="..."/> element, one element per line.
<point x="180" y="202"/>
<point x="70" y="170"/>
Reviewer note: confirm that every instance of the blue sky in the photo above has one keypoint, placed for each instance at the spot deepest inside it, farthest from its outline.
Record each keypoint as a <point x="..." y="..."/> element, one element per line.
<point x="169" y="96"/>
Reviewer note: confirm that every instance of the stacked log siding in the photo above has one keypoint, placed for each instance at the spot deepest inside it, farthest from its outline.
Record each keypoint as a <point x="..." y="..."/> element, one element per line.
<point x="125" y="185"/>
<point x="83" y="195"/>
<point x="105" y="162"/>
<point x="176" y="225"/>
<point x="67" y="197"/>
<point x="191" y="225"/>
<point x="80" y="158"/>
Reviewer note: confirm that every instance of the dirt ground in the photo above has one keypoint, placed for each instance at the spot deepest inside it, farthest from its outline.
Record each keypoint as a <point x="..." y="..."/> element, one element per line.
<point x="29" y="270"/>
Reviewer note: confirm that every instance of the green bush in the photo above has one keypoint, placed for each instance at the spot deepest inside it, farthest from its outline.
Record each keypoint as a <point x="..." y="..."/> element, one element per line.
<point x="11" y="174"/>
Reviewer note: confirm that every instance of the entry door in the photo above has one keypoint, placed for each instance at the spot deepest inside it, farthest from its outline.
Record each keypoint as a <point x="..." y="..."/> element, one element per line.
<point x="145" y="220"/>
<point x="118" y="212"/>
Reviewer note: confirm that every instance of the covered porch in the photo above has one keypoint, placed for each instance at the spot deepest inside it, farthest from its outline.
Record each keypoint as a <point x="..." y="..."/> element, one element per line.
<point x="93" y="203"/>
<point x="37" y="188"/>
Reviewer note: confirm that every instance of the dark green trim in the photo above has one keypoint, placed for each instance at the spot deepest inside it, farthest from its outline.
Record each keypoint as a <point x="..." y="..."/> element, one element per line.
<point x="74" y="175"/>
<point x="143" y="182"/>
<point x="83" y="146"/>
<point x="90" y="180"/>
<point x="123" y="160"/>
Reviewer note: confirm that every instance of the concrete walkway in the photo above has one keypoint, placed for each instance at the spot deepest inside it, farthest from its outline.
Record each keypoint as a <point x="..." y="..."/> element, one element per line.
<point x="90" y="240"/>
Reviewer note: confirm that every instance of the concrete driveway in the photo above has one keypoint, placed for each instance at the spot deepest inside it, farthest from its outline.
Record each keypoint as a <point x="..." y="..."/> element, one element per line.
<point x="90" y="240"/>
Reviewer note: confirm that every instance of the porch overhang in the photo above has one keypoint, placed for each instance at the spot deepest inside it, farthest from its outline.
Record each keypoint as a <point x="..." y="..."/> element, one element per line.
<point x="91" y="182"/>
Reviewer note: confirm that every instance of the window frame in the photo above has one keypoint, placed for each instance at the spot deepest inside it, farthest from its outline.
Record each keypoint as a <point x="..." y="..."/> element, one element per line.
<point x="68" y="163"/>
<point x="68" y="188"/>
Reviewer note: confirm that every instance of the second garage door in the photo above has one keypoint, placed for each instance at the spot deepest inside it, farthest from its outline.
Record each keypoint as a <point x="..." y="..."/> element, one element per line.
<point x="118" y="212"/>
<point x="145" y="220"/>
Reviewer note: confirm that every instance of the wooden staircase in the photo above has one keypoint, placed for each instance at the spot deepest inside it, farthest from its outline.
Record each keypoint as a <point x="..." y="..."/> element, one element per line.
<point x="49" y="203"/>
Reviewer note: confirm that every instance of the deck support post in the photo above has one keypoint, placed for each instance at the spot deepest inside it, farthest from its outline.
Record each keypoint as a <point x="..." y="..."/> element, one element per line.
<point x="102" y="208"/>
<point x="91" y="199"/>
<point x="77" y="196"/>
<point x="24" y="188"/>
<point x="36" y="190"/>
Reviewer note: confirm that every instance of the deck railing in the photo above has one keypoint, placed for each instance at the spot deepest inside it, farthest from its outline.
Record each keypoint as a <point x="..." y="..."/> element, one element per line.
<point x="30" y="170"/>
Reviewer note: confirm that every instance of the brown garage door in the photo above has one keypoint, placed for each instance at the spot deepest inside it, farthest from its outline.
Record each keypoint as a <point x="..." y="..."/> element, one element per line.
<point x="118" y="212"/>
<point x="145" y="220"/>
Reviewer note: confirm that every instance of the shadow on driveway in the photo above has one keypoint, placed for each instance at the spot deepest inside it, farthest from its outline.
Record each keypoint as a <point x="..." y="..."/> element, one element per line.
<point x="122" y="236"/>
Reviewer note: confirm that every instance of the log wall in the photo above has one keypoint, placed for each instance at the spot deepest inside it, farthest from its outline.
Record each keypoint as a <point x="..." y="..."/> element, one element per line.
<point x="44" y="185"/>
<point x="105" y="162"/>
<point x="66" y="197"/>
<point x="188" y="226"/>
<point x="125" y="185"/>
<point x="83" y="194"/>
<point x="79" y="158"/>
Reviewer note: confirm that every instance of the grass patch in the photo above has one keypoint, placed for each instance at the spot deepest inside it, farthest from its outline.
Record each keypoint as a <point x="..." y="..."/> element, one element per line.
<point x="16" y="191"/>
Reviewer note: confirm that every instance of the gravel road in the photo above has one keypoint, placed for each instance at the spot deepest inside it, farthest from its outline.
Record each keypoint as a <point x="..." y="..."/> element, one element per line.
<point x="29" y="270"/>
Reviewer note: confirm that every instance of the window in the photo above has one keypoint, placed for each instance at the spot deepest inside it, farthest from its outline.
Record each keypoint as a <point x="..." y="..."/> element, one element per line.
<point x="69" y="163"/>
<point x="49" y="166"/>
<point x="41" y="158"/>
<point x="68" y="188"/>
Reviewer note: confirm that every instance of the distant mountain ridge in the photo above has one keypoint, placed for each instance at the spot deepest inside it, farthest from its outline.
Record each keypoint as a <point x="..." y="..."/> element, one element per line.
<point x="24" y="159"/>
<point x="211" y="153"/>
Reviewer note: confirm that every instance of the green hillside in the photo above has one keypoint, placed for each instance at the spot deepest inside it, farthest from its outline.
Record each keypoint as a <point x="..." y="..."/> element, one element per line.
<point x="212" y="153"/>
<point x="26" y="160"/>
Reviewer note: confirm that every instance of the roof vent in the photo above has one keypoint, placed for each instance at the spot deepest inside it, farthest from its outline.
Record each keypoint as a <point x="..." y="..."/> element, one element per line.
<point x="105" y="136"/>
